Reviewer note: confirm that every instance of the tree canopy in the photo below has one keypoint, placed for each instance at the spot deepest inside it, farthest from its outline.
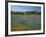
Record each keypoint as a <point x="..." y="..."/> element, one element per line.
<point x="26" y="13"/>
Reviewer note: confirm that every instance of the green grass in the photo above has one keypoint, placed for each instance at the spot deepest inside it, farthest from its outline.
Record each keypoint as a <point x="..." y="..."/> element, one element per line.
<point x="19" y="27"/>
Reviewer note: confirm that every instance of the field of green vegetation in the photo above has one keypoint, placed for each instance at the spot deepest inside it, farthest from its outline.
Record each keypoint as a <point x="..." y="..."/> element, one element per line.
<point x="19" y="22"/>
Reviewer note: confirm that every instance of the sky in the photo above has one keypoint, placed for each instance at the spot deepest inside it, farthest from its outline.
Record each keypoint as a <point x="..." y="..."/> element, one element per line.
<point x="17" y="8"/>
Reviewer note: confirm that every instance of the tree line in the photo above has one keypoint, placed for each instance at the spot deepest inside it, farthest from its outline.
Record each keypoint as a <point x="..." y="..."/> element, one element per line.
<point x="26" y="13"/>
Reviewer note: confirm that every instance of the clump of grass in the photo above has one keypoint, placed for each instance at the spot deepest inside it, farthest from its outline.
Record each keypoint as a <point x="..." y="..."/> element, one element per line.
<point x="19" y="27"/>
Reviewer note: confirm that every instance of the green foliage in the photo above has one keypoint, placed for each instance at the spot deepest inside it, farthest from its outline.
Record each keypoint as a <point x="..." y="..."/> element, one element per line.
<point x="26" y="13"/>
<point x="19" y="27"/>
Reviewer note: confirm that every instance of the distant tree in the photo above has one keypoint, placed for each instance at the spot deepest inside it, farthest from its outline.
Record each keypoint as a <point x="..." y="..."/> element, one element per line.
<point x="39" y="13"/>
<point x="28" y="13"/>
<point x="25" y="13"/>
<point x="12" y="13"/>
<point x="32" y="12"/>
<point x="22" y="13"/>
<point x="16" y="13"/>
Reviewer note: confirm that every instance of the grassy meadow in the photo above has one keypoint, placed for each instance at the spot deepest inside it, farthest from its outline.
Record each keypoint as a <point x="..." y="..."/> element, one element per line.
<point x="24" y="21"/>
